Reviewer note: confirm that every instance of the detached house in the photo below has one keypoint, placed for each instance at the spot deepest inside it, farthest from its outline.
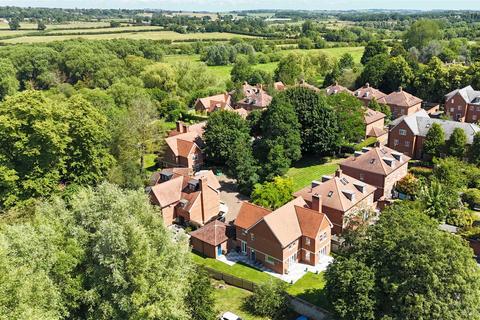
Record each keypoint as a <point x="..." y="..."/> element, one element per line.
<point x="375" y="125"/>
<point x="184" y="197"/>
<point x="255" y="98"/>
<point x="380" y="167"/>
<point x="407" y="134"/>
<point x="210" y="104"/>
<point x="279" y="239"/>
<point x="184" y="147"/>
<point x="368" y="93"/>
<point x="339" y="197"/>
<point x="402" y="103"/>
<point x="463" y="105"/>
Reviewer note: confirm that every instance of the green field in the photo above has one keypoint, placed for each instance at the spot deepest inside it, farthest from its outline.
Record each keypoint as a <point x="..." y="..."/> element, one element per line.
<point x="70" y="25"/>
<point x="308" y="169"/>
<point x="151" y="35"/>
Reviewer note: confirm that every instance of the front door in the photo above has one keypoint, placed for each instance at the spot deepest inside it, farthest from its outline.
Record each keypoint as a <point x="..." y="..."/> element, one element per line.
<point x="252" y="255"/>
<point x="219" y="250"/>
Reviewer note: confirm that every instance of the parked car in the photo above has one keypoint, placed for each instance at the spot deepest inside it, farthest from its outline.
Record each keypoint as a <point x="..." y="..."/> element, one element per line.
<point x="230" y="316"/>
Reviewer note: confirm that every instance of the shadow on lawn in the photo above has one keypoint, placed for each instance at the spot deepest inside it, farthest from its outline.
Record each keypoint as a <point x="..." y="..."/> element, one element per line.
<point x="317" y="297"/>
<point x="309" y="161"/>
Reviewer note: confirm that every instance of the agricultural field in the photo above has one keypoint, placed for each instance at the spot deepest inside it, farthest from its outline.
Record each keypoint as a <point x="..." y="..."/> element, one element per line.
<point x="67" y="25"/>
<point x="152" y="35"/>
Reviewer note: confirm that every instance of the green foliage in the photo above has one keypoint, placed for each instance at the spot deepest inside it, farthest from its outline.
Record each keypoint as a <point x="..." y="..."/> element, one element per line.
<point x="398" y="74"/>
<point x="472" y="197"/>
<point x="41" y="26"/>
<point x="370" y="141"/>
<point x="373" y="278"/>
<point x="461" y="218"/>
<point x="273" y="194"/>
<point x="435" y="140"/>
<point x="306" y="43"/>
<point x="451" y="172"/>
<point x="350" y="112"/>
<point x="346" y="61"/>
<point x="8" y="82"/>
<point x="103" y="254"/>
<point x="408" y="185"/>
<point x="320" y="129"/>
<point x="269" y="300"/>
<point x="456" y="144"/>
<point x="421" y="32"/>
<point x="222" y="131"/>
<point x="475" y="149"/>
<point x="375" y="71"/>
<point x="200" y="299"/>
<point x="219" y="55"/>
<point x="14" y="24"/>
<point x="372" y="49"/>
<point x="438" y="200"/>
<point x="243" y="166"/>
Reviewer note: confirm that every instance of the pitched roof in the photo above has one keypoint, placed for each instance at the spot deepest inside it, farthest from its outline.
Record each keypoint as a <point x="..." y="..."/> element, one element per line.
<point x="304" y="84"/>
<point x="213" y="233"/>
<point x="340" y="192"/>
<point x="182" y="144"/>
<point x="172" y="172"/>
<point x="371" y="116"/>
<point x="379" y="160"/>
<point x="250" y="214"/>
<point x="287" y="223"/>
<point x="366" y="92"/>
<point x="377" y="132"/>
<point x="419" y="123"/>
<point x="255" y="96"/>
<point x="468" y="94"/>
<point x="242" y="112"/>
<point x="401" y="98"/>
<point x="279" y="86"/>
<point x="311" y="221"/>
<point x="336" y="88"/>
<point x="168" y="192"/>
<point x="212" y="103"/>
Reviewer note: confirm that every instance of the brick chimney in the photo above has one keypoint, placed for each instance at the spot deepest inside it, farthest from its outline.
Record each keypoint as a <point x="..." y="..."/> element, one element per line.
<point x="202" y="187"/>
<point x="317" y="202"/>
<point x="377" y="144"/>
<point x="338" y="173"/>
<point x="367" y="85"/>
<point x="400" y="89"/>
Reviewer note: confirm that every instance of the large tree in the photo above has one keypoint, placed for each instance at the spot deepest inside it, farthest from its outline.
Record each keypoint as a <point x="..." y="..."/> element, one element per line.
<point x="404" y="267"/>
<point x="350" y="112"/>
<point x="320" y="131"/>
<point x="102" y="254"/>
<point x="421" y="32"/>
<point x="375" y="71"/>
<point x="435" y="140"/>
<point x="372" y="49"/>
<point x="8" y="81"/>
<point x="475" y="149"/>
<point x="456" y="144"/>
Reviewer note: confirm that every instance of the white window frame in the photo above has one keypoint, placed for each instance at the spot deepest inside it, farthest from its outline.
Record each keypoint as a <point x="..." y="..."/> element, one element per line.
<point x="395" y="142"/>
<point x="307" y="241"/>
<point x="269" y="259"/>
<point x="243" y="246"/>
<point x="402" y="132"/>
<point x="307" y="256"/>
<point x="252" y="236"/>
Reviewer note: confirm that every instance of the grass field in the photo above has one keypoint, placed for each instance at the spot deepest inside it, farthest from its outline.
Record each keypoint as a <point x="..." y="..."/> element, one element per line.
<point x="74" y="24"/>
<point x="311" y="287"/>
<point x="153" y="35"/>
<point x="308" y="169"/>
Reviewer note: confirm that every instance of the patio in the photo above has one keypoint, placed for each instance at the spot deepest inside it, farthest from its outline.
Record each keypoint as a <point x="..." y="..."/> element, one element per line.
<point x="297" y="271"/>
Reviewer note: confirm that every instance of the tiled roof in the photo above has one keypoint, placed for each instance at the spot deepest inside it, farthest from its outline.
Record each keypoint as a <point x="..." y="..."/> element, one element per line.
<point x="311" y="221"/>
<point x="379" y="160"/>
<point x="468" y="94"/>
<point x="168" y="192"/>
<point x="401" y="98"/>
<point x="181" y="144"/>
<point x="304" y="84"/>
<point x="250" y="214"/>
<point x="371" y="116"/>
<point x="419" y="123"/>
<point x="340" y="192"/>
<point x="213" y="233"/>
<point x="336" y="88"/>
<point x="366" y="92"/>
<point x="377" y="132"/>
<point x="279" y="86"/>
<point x="212" y="103"/>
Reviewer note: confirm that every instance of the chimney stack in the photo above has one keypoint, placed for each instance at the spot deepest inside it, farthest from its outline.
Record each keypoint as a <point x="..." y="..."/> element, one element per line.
<point x="179" y="126"/>
<point x="338" y="173"/>
<point x="367" y="85"/>
<point x="400" y="89"/>
<point x="377" y="144"/>
<point x="317" y="202"/>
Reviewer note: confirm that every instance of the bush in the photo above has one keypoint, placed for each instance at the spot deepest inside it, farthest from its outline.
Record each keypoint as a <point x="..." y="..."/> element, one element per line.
<point x="269" y="300"/>
<point x="365" y="143"/>
<point x="409" y="185"/>
<point x="471" y="197"/>
<point x="460" y="218"/>
<point x="421" y="172"/>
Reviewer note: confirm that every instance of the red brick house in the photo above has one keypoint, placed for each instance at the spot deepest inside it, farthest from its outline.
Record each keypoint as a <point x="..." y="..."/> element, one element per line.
<point x="184" y="197"/>
<point x="402" y="103"/>
<point x="279" y="239"/>
<point x="184" y="147"/>
<point x="336" y="88"/>
<point x="255" y="98"/>
<point x="367" y="93"/>
<point x="210" y="240"/>
<point x="375" y="125"/>
<point x="339" y="197"/>
<point x="213" y="103"/>
<point x="407" y="134"/>
<point x="463" y="105"/>
<point x="380" y="167"/>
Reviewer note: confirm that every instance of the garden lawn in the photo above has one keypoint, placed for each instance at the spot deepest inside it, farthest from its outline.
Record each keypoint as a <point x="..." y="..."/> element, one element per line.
<point x="311" y="287"/>
<point x="310" y="168"/>
<point x="238" y="270"/>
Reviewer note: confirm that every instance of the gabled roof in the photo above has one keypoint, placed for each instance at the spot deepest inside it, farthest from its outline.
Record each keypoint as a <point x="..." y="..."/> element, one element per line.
<point x="182" y="144"/>
<point x="468" y="94"/>
<point x="336" y="88"/>
<point x="172" y="172"/>
<point x="279" y="86"/>
<point x="401" y="98"/>
<point x="419" y="123"/>
<point x="366" y="92"/>
<point x="311" y="221"/>
<point x="168" y="192"/>
<point x="287" y="223"/>
<point x="340" y="192"/>
<point x="213" y="233"/>
<point x="249" y="215"/>
<point x="376" y="160"/>
<point x="377" y="132"/>
<point x="307" y="85"/>
<point x="371" y="116"/>
<point x="212" y="103"/>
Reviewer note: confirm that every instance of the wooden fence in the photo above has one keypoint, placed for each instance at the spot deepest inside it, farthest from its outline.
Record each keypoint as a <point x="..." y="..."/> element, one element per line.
<point x="231" y="280"/>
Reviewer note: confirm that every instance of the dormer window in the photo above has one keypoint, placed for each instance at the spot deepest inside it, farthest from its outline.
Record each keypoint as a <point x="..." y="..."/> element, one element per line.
<point x="193" y="185"/>
<point x="183" y="203"/>
<point x="330" y="194"/>
<point x="349" y="194"/>
<point x="389" y="161"/>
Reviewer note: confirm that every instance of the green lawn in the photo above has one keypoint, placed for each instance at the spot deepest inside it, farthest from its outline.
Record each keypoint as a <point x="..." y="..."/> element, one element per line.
<point x="310" y="168"/>
<point x="238" y="270"/>
<point x="311" y="287"/>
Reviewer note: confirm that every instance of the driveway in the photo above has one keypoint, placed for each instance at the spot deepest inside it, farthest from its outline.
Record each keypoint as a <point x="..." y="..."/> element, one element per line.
<point x="232" y="198"/>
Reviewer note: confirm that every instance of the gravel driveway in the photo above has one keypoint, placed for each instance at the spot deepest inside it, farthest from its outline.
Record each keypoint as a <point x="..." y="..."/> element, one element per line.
<point x="232" y="198"/>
